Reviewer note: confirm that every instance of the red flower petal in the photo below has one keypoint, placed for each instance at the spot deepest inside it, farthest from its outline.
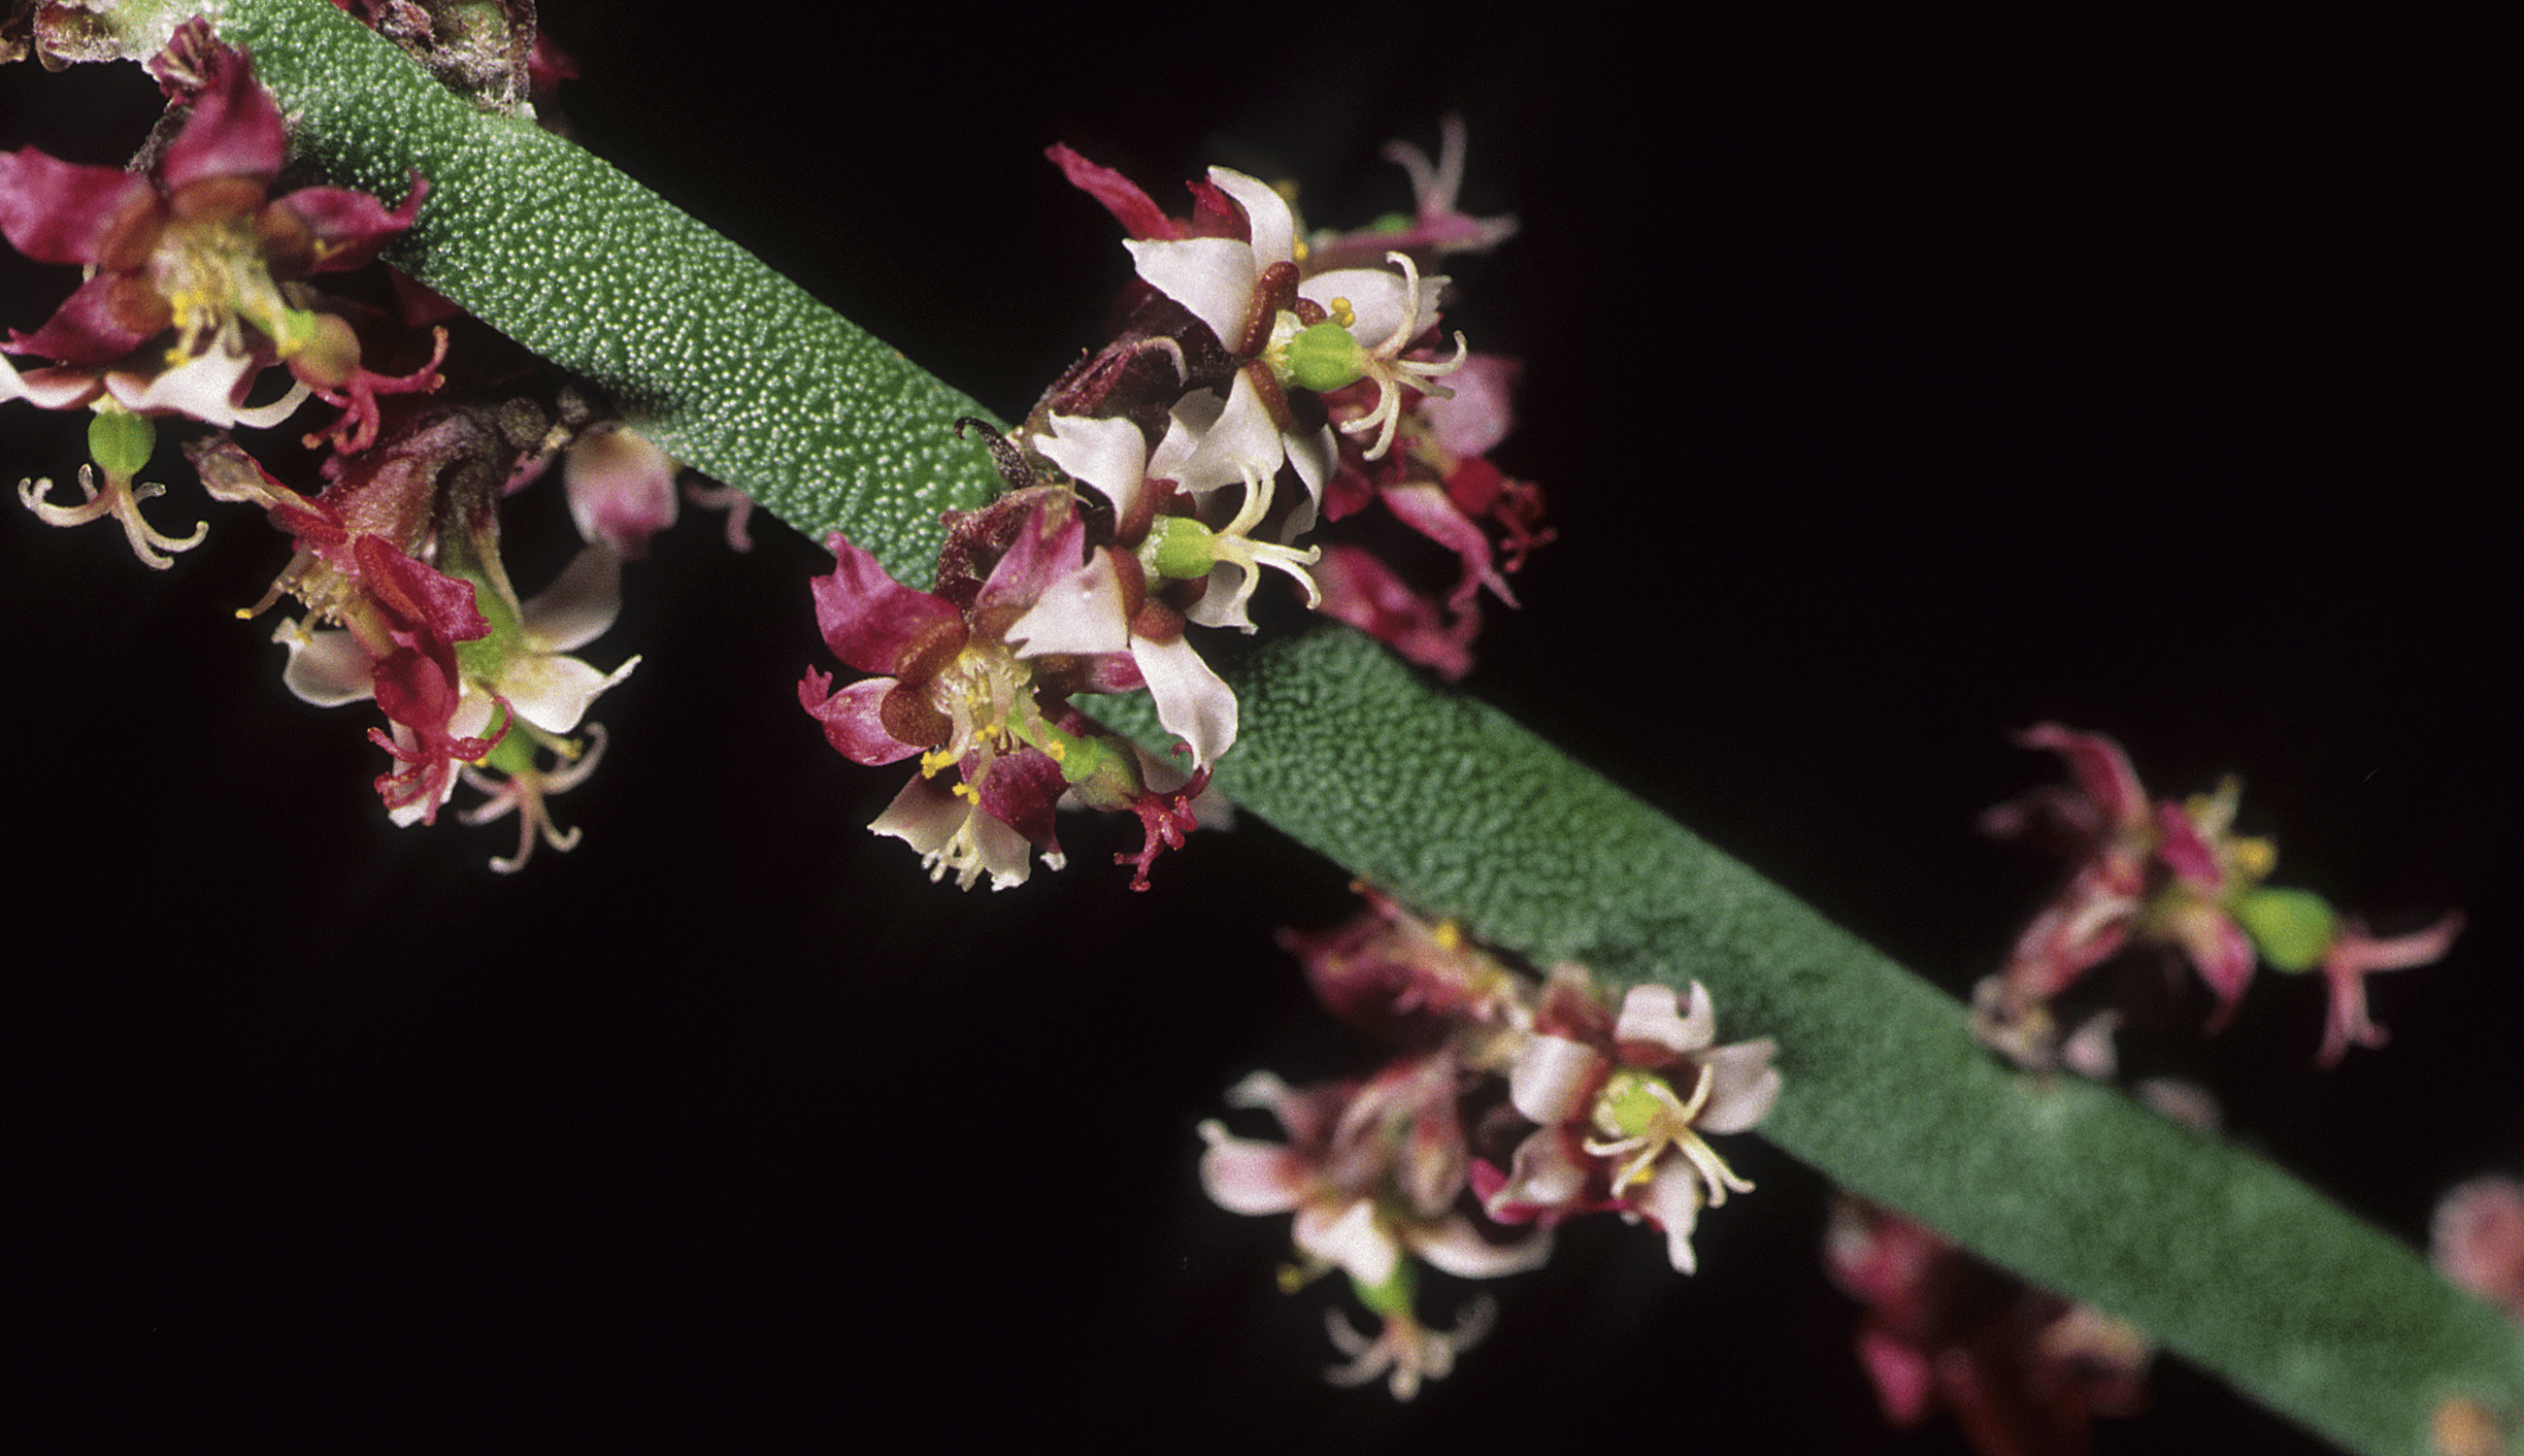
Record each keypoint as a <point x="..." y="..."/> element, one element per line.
<point x="234" y="132"/>
<point x="60" y="211"/>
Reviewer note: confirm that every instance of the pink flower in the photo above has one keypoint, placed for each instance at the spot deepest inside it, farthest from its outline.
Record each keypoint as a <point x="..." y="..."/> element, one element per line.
<point x="1372" y="1170"/>
<point x="1621" y="1106"/>
<point x="197" y="252"/>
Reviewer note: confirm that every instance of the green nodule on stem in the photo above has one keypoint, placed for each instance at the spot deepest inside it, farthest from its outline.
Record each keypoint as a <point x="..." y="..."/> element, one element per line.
<point x="1442" y="801"/>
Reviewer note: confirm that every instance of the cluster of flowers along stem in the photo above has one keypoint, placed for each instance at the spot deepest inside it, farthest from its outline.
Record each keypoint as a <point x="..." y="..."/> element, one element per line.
<point x="1260" y="380"/>
<point x="2175" y="875"/>
<point x="1510" y="1104"/>
<point x="203" y="282"/>
<point x="2023" y="1369"/>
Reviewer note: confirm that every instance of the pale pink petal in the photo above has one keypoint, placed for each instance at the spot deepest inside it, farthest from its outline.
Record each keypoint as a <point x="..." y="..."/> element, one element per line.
<point x="1652" y="1020"/>
<point x="1242" y="1175"/>
<point x="1671" y="1199"/>
<point x="1742" y="1086"/>
<point x="1477" y="417"/>
<point x="1454" y="1245"/>
<point x="2477" y="1240"/>
<point x="621" y="489"/>
<point x="1550" y="1074"/>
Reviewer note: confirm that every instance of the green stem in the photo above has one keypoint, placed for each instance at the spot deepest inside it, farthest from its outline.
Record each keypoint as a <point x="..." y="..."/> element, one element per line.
<point x="2224" y="1258"/>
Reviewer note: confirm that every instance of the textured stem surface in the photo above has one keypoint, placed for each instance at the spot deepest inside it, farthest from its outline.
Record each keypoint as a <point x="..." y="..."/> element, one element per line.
<point x="2220" y="1255"/>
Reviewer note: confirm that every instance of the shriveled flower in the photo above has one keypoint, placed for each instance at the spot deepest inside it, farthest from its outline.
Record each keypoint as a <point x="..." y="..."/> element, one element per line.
<point x="2172" y="874"/>
<point x="1622" y="1105"/>
<point x="1438" y="224"/>
<point x="2023" y="1371"/>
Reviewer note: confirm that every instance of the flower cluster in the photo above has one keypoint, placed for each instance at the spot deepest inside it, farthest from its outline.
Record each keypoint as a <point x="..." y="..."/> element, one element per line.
<point x="974" y="680"/>
<point x="1510" y="1105"/>
<point x="1251" y="387"/>
<point x="199" y="282"/>
<point x="2177" y="875"/>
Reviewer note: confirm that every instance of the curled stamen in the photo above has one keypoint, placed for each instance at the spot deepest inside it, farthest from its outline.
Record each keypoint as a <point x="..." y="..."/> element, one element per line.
<point x="1391" y="372"/>
<point x="529" y="793"/>
<point x="119" y="499"/>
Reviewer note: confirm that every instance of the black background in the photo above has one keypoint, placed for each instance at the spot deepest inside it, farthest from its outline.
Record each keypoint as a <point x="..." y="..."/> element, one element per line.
<point x="1894" y="385"/>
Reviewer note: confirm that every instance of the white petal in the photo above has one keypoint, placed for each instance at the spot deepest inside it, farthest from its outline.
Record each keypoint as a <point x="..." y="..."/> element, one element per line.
<point x="1213" y="277"/>
<point x="328" y="668"/>
<point x="1313" y="456"/>
<point x="1241" y="444"/>
<point x="202" y="387"/>
<point x="1079" y="613"/>
<point x="1107" y="453"/>
<point x="923" y="817"/>
<point x="50" y="389"/>
<point x="579" y="606"/>
<point x="1193" y="703"/>
<point x="1231" y="585"/>
<point x="552" y="692"/>
<point x="1541" y="1174"/>
<point x="1377" y="301"/>
<point x="1191" y="419"/>
<point x="1273" y="227"/>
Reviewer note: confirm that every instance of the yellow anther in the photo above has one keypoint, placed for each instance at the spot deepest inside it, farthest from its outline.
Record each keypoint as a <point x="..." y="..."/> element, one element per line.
<point x="1343" y="314"/>
<point x="935" y="760"/>
<point x="2252" y="859"/>
<point x="967" y="793"/>
<point x="1449" y="935"/>
<point x="1058" y="751"/>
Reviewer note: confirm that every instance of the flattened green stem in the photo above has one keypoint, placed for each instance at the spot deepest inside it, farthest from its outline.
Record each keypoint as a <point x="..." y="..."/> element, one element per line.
<point x="728" y="367"/>
<point x="2224" y="1258"/>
